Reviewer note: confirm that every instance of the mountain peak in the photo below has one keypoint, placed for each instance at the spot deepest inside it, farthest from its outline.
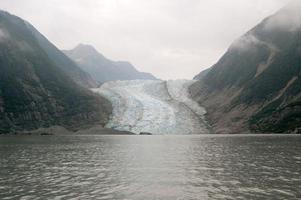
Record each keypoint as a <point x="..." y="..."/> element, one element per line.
<point x="85" y="49"/>
<point x="84" y="46"/>
<point x="103" y="69"/>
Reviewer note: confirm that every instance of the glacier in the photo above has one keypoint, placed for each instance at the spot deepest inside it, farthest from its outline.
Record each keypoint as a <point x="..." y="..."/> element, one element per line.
<point x="154" y="106"/>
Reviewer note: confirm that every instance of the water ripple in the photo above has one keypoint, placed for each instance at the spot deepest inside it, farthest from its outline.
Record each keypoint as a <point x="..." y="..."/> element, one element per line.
<point x="159" y="167"/>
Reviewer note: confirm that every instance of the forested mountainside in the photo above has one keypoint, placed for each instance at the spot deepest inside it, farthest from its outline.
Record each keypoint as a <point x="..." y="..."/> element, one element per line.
<point x="103" y="69"/>
<point x="36" y="88"/>
<point x="256" y="85"/>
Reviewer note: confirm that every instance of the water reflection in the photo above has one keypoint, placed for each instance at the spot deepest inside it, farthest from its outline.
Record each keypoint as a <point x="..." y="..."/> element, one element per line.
<point x="158" y="167"/>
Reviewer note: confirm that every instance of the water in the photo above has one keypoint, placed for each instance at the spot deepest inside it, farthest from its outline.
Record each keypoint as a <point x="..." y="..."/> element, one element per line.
<point x="150" y="167"/>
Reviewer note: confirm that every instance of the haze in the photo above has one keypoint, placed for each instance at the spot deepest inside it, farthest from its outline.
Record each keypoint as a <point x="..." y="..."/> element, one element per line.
<point x="170" y="38"/>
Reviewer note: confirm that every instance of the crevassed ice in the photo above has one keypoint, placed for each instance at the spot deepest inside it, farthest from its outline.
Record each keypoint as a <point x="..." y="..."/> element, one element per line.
<point x="157" y="107"/>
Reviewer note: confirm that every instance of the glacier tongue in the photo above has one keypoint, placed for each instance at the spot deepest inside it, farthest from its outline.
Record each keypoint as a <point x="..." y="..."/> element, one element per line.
<point x="157" y="107"/>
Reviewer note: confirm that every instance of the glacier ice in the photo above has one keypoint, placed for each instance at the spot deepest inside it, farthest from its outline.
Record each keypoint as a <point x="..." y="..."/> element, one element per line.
<point x="154" y="106"/>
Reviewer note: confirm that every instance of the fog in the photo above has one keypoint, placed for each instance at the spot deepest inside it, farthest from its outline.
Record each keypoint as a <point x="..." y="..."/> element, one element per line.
<point x="169" y="38"/>
<point x="288" y="19"/>
<point x="3" y="35"/>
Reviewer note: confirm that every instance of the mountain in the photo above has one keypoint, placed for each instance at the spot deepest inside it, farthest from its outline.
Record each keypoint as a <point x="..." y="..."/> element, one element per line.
<point x="103" y="69"/>
<point x="256" y="85"/>
<point x="37" y="83"/>
<point x="64" y="62"/>
<point x="202" y="74"/>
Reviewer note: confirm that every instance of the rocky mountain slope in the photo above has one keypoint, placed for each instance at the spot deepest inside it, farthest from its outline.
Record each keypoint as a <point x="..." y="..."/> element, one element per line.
<point x="202" y="74"/>
<point x="103" y="69"/>
<point x="256" y="85"/>
<point x="35" y="91"/>
<point x="64" y="62"/>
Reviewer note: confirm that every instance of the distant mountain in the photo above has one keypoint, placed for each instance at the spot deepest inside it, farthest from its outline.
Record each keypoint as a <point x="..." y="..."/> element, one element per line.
<point x="103" y="69"/>
<point x="256" y="85"/>
<point x="37" y="83"/>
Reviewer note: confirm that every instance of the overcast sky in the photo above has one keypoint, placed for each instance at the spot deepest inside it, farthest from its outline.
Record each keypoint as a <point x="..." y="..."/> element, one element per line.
<point x="169" y="38"/>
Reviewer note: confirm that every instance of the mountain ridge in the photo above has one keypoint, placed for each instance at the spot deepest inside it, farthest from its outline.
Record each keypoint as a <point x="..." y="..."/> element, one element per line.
<point x="35" y="92"/>
<point x="64" y="62"/>
<point x="255" y="86"/>
<point x="103" y="69"/>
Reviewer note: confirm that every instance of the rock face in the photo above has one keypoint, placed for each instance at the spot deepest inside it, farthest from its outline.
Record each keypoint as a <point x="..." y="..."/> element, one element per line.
<point x="154" y="106"/>
<point x="202" y="74"/>
<point x="103" y="69"/>
<point x="63" y="62"/>
<point x="35" y="90"/>
<point x="256" y="85"/>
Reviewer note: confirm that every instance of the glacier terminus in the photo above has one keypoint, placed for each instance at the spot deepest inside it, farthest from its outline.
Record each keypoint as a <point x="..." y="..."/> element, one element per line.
<point x="154" y="106"/>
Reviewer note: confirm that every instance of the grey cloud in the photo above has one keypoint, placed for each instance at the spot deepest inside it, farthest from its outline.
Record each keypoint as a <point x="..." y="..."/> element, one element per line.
<point x="170" y="38"/>
<point x="249" y="41"/>
<point x="288" y="18"/>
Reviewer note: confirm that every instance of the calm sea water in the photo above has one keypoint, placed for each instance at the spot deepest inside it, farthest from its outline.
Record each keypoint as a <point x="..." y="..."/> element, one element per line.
<point x="150" y="167"/>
